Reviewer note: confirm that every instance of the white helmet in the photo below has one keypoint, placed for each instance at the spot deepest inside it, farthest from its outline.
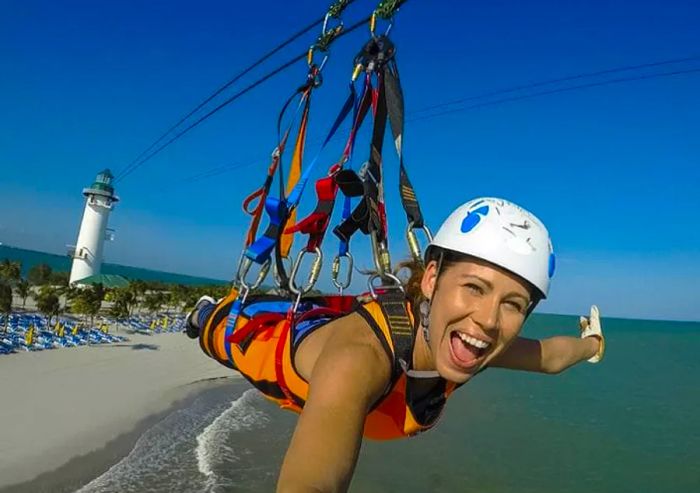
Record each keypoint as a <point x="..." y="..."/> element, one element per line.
<point x="504" y="234"/>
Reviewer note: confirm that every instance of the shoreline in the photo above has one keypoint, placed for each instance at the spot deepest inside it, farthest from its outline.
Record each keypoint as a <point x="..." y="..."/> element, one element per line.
<point x="82" y="469"/>
<point x="64" y="404"/>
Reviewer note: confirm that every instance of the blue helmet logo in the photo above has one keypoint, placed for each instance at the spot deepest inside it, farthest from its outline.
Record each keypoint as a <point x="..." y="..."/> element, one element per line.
<point x="552" y="265"/>
<point x="473" y="218"/>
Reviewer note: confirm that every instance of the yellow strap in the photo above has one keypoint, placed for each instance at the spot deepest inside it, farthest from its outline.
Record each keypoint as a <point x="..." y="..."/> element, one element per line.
<point x="294" y="175"/>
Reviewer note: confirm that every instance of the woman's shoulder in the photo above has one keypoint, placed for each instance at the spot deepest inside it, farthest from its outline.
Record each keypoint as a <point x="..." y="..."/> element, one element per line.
<point x="349" y="339"/>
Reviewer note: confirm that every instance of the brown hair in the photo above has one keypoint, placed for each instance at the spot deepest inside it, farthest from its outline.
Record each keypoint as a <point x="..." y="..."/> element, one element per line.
<point x="445" y="259"/>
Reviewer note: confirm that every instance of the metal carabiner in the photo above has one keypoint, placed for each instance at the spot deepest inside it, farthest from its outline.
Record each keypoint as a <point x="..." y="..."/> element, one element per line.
<point x="313" y="274"/>
<point x="244" y="268"/>
<point x="335" y="272"/>
<point x="397" y="284"/>
<point x="413" y="245"/>
<point x="330" y="34"/>
<point x="373" y="24"/>
<point x="380" y="255"/>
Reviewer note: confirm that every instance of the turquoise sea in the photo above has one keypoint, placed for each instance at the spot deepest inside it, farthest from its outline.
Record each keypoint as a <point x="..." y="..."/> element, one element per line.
<point x="629" y="424"/>
<point x="62" y="263"/>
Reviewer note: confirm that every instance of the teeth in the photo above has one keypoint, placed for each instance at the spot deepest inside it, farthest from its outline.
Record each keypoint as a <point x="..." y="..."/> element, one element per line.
<point x="473" y="341"/>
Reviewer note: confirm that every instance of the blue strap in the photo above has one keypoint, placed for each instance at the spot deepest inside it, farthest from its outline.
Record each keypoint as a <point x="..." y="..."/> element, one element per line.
<point x="261" y="250"/>
<point x="344" y="245"/>
<point x="298" y="190"/>
<point x="231" y="324"/>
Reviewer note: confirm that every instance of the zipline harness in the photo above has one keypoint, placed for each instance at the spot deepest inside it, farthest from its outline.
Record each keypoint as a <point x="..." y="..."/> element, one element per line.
<point x="381" y="92"/>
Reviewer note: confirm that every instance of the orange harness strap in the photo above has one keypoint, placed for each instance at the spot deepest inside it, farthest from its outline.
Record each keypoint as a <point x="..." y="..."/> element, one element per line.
<point x="293" y="177"/>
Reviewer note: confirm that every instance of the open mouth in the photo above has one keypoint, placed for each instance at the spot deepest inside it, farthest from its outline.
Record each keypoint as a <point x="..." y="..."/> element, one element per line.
<point x="467" y="351"/>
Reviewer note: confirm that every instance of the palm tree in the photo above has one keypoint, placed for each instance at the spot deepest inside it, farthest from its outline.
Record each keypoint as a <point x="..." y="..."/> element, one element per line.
<point x="5" y="302"/>
<point x="138" y="288"/>
<point x="48" y="303"/>
<point x="22" y="289"/>
<point x="39" y="274"/>
<point x="10" y="271"/>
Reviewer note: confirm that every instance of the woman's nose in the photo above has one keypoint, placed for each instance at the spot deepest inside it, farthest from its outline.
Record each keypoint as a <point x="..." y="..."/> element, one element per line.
<point x="486" y="313"/>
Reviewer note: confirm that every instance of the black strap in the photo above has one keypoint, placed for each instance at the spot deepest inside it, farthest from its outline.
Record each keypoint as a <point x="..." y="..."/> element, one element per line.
<point x="390" y="107"/>
<point x="366" y="216"/>
<point x="351" y="185"/>
<point x="394" y="96"/>
<point x="395" y="310"/>
<point x="373" y="177"/>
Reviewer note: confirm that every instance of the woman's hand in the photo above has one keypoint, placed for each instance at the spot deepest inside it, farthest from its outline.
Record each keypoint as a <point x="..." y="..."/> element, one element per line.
<point x="590" y="327"/>
<point x="555" y="354"/>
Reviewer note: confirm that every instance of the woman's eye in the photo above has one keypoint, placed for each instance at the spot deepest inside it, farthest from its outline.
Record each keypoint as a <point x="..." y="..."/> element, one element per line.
<point x="515" y="306"/>
<point x="474" y="288"/>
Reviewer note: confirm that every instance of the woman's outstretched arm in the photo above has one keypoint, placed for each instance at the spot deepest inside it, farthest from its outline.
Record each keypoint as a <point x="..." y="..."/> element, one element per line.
<point x="555" y="354"/>
<point x="347" y="379"/>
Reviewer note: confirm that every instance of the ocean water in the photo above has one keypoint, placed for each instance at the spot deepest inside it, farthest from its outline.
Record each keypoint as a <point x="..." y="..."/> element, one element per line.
<point x="62" y="263"/>
<point x="629" y="424"/>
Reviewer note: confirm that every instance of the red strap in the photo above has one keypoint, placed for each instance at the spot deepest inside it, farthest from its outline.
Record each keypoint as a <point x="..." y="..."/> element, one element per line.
<point x="260" y="322"/>
<point x="250" y="198"/>
<point x="382" y="216"/>
<point x="316" y="223"/>
<point x="256" y="213"/>
<point x="279" y="356"/>
<point x="340" y="303"/>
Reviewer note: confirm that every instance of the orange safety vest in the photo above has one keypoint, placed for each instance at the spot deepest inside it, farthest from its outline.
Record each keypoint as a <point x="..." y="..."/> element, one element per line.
<point x="262" y="349"/>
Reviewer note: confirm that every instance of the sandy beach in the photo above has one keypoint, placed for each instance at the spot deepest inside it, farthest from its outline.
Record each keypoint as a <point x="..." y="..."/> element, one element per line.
<point x="65" y="403"/>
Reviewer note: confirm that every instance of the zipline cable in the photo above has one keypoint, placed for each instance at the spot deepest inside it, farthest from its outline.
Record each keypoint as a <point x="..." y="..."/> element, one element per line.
<point x="556" y="91"/>
<point x="221" y="89"/>
<point x="218" y="170"/>
<point x="585" y="75"/>
<point x="335" y="10"/>
<point x="207" y="115"/>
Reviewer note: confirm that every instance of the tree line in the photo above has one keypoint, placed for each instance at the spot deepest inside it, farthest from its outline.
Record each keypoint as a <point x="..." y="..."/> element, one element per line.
<point x="53" y="294"/>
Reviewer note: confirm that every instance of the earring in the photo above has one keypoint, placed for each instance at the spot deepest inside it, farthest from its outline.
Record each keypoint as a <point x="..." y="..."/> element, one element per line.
<point x="424" y="309"/>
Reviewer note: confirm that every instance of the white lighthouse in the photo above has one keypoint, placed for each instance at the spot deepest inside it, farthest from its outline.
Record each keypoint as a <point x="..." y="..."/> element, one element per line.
<point x="87" y="254"/>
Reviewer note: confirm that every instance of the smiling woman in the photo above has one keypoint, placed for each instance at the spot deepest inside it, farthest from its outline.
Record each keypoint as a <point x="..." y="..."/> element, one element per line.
<point x="383" y="366"/>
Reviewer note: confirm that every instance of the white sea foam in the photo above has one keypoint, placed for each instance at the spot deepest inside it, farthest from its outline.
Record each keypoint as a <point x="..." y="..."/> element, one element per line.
<point x="162" y="458"/>
<point x="214" y="444"/>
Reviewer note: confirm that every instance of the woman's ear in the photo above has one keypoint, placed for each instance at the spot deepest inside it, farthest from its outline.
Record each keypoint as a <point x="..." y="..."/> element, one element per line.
<point x="429" y="280"/>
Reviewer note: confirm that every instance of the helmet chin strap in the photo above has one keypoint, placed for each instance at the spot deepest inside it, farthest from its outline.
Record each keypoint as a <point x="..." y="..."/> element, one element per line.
<point x="531" y="308"/>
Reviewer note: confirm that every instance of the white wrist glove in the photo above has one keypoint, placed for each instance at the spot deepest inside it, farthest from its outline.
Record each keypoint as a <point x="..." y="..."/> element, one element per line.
<point x="590" y="327"/>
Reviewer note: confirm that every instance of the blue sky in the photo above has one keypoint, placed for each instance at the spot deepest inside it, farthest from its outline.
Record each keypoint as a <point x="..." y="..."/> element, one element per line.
<point x="612" y="170"/>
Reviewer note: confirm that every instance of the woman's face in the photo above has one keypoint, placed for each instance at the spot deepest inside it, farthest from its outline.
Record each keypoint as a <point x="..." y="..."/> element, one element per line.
<point x="477" y="310"/>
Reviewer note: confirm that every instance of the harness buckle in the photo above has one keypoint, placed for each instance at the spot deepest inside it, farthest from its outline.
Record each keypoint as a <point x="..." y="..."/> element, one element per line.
<point x="387" y="276"/>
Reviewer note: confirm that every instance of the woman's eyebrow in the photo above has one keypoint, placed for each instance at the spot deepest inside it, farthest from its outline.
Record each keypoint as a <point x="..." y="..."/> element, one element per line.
<point x="480" y="279"/>
<point x="490" y="286"/>
<point x="518" y="295"/>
